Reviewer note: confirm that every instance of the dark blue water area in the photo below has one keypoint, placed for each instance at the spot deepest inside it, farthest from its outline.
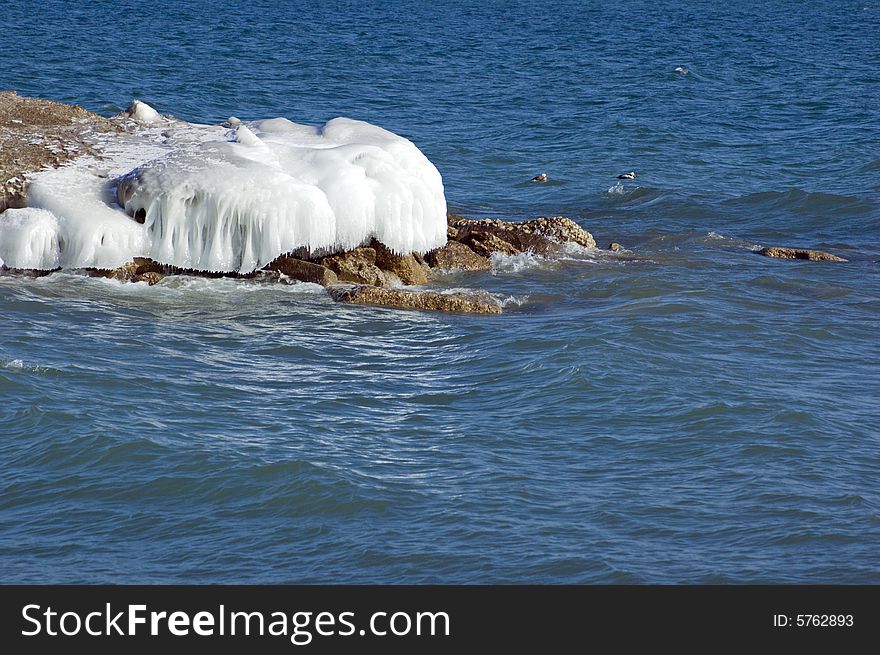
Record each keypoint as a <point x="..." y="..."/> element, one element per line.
<point x="684" y="411"/>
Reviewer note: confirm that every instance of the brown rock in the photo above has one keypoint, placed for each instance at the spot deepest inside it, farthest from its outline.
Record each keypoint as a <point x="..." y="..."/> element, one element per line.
<point x="139" y="266"/>
<point x="541" y="235"/>
<point x="406" y="267"/>
<point x="800" y="253"/>
<point x="486" y="243"/>
<point x="358" y="266"/>
<point x="457" y="256"/>
<point x="124" y="273"/>
<point x="614" y="246"/>
<point x="463" y="303"/>
<point x="266" y="277"/>
<point x="561" y="229"/>
<point x="303" y="271"/>
<point x="150" y="277"/>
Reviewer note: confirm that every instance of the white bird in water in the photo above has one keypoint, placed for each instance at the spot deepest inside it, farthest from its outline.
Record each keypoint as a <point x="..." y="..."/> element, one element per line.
<point x="627" y="176"/>
<point x="540" y="178"/>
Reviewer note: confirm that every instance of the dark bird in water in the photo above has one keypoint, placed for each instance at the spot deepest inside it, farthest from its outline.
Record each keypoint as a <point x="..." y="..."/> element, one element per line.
<point x="540" y="178"/>
<point x="627" y="176"/>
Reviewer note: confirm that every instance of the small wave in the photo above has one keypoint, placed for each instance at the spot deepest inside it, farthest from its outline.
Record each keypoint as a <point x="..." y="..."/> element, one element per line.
<point x="513" y="301"/>
<point x="631" y="196"/>
<point x="225" y="285"/>
<point x="798" y="200"/>
<point x="21" y="365"/>
<point x="715" y="238"/>
<point x="516" y="263"/>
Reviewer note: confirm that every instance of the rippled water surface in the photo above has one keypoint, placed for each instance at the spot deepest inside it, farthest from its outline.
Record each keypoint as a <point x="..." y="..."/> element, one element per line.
<point x="685" y="411"/>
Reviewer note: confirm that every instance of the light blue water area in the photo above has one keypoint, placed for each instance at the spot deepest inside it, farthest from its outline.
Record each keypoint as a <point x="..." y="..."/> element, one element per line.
<point x="685" y="412"/>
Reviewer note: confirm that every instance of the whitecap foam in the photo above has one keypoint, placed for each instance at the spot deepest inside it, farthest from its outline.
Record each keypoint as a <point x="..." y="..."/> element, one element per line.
<point x="713" y="236"/>
<point x="21" y="365"/>
<point x="513" y="301"/>
<point x="197" y="197"/>
<point x="516" y="263"/>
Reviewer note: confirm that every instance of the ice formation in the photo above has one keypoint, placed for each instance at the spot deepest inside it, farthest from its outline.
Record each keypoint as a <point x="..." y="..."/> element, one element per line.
<point x="211" y="199"/>
<point x="143" y="113"/>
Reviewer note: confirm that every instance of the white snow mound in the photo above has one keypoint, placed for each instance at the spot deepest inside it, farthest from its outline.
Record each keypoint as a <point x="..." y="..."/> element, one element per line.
<point x="210" y="199"/>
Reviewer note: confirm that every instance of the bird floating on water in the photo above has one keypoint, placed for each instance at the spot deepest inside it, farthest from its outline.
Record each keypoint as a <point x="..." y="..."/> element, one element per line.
<point x="627" y="176"/>
<point x="540" y="178"/>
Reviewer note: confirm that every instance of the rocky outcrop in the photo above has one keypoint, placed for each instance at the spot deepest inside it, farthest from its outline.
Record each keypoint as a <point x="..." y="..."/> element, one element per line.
<point x="457" y="256"/>
<point x="36" y="134"/>
<point x="800" y="253"/>
<point x="298" y="269"/>
<point x="473" y="302"/>
<point x="541" y="235"/>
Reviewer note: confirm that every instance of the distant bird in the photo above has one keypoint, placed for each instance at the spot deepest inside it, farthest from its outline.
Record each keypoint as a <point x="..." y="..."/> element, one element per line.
<point x="627" y="176"/>
<point x="540" y="178"/>
<point x="681" y="70"/>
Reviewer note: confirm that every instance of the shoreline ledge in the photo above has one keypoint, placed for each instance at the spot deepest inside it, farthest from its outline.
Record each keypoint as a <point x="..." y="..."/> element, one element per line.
<point x="37" y="135"/>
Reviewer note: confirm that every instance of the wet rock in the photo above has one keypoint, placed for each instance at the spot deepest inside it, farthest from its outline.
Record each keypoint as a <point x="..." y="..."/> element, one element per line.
<point x="475" y="302"/>
<point x="614" y="246"/>
<point x="303" y="271"/>
<point x="26" y="272"/>
<point x="457" y="256"/>
<point x="407" y="268"/>
<point x="358" y="266"/>
<point x="800" y="253"/>
<point x="265" y="277"/>
<point x="150" y="277"/>
<point x="561" y="229"/>
<point x="541" y="235"/>
<point x="138" y="267"/>
<point x="485" y="244"/>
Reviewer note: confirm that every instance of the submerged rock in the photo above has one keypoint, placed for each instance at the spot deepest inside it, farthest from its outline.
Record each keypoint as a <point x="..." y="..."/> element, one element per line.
<point x="457" y="256"/>
<point x="472" y="302"/>
<point x="778" y="252"/>
<point x="303" y="271"/>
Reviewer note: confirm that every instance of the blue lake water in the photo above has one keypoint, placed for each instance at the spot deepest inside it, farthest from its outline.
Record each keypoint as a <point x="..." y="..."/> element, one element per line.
<point x="688" y="412"/>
